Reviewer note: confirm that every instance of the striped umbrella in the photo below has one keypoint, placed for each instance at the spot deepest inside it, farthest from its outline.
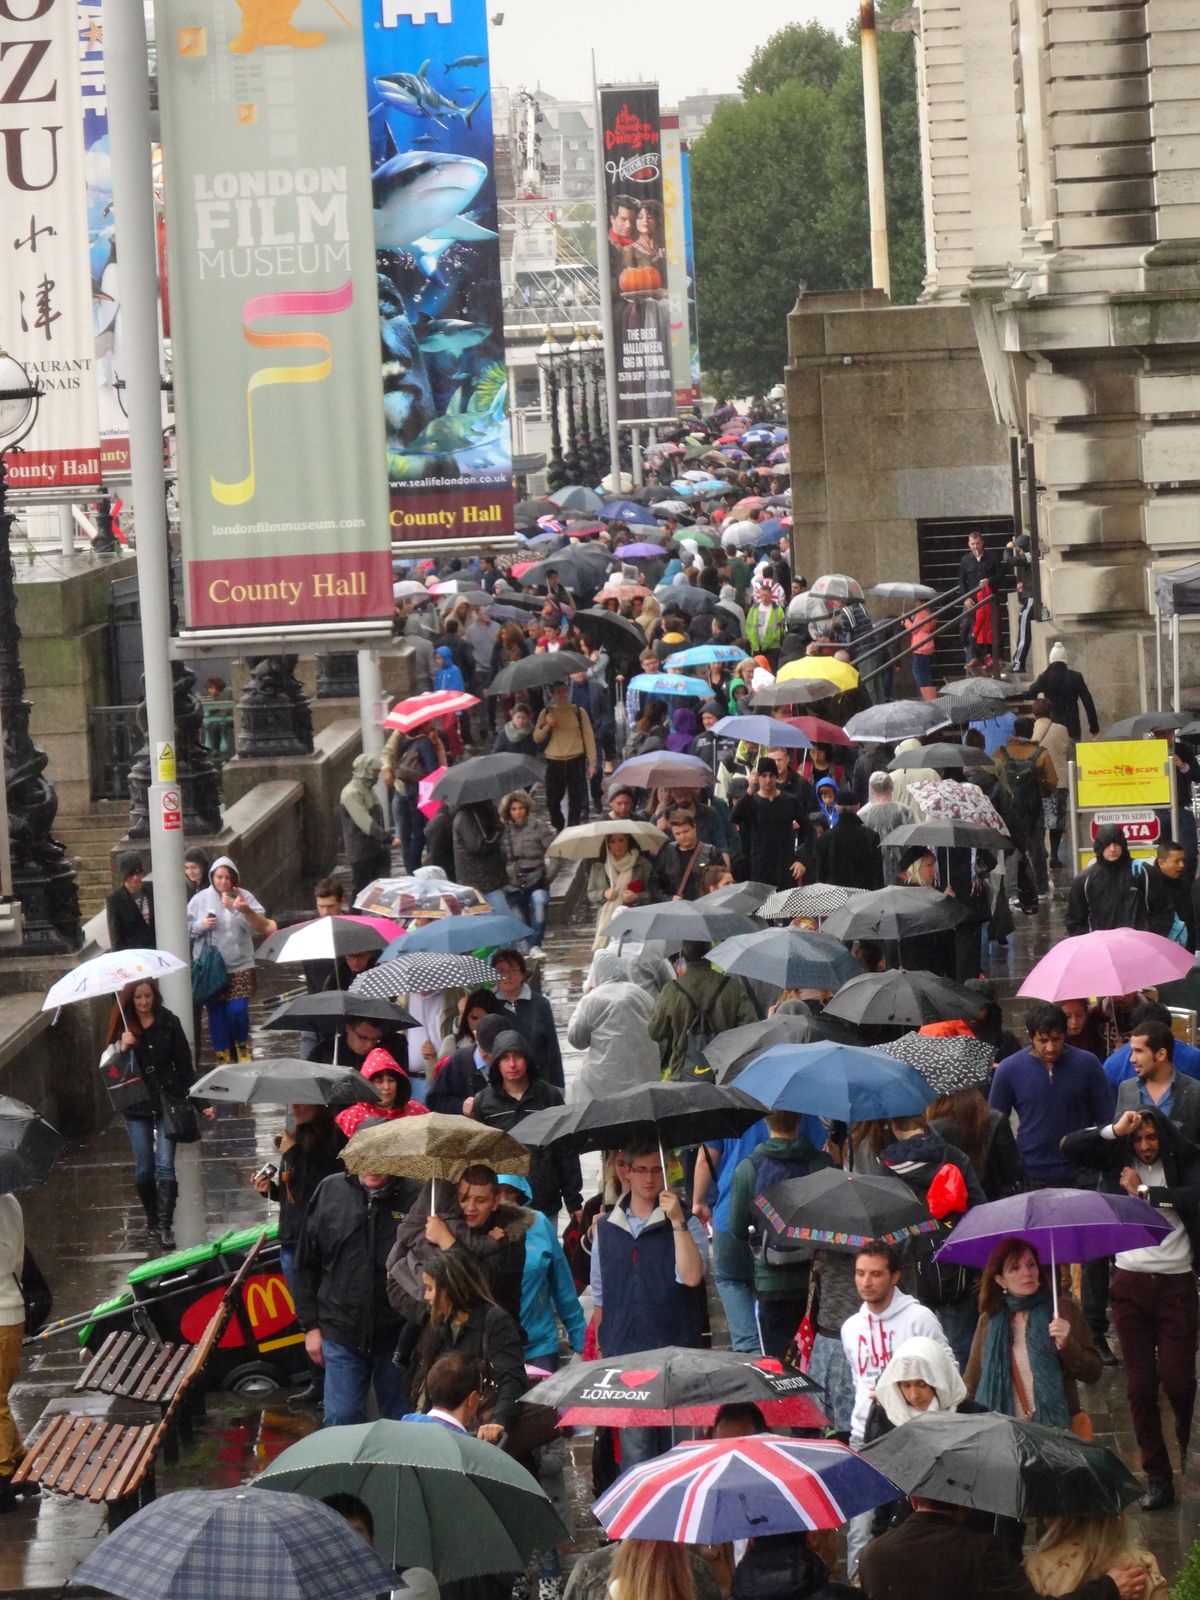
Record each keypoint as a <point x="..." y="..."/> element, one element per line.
<point x="419" y="709"/>
<point x="721" y="1489"/>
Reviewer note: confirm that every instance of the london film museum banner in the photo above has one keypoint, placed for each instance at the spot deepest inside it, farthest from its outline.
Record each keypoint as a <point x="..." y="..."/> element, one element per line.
<point x="445" y="387"/>
<point x="274" y="317"/>
<point x="631" y="145"/>
<point x="45" y="292"/>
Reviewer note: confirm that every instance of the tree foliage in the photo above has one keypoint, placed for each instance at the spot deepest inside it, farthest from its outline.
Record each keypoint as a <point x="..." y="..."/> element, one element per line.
<point x="779" y="196"/>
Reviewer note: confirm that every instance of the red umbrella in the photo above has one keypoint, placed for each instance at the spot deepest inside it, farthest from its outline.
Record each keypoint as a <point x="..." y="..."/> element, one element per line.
<point x="421" y="708"/>
<point x="820" y="731"/>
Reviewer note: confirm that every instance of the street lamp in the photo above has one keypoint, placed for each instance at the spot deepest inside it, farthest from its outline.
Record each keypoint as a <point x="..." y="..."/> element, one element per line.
<point x="592" y="356"/>
<point x="549" y="354"/>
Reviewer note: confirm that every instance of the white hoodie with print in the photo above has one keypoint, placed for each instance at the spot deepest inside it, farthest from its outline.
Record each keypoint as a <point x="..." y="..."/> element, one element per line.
<point x="871" y="1341"/>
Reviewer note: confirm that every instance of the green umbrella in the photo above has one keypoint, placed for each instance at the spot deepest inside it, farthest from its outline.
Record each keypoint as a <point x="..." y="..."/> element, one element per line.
<point x="440" y="1499"/>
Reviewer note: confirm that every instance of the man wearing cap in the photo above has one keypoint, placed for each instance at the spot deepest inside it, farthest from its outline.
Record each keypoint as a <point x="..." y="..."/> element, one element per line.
<point x="774" y="829"/>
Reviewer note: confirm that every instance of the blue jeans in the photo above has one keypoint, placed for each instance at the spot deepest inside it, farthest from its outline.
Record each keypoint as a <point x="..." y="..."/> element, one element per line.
<point x="287" y="1263"/>
<point x="530" y="905"/>
<point x="408" y="825"/>
<point x="498" y="900"/>
<point x="958" y="1321"/>
<point x="922" y="671"/>
<point x="644" y="1444"/>
<point x="349" y="1375"/>
<point x="737" y="1298"/>
<point x="153" y="1152"/>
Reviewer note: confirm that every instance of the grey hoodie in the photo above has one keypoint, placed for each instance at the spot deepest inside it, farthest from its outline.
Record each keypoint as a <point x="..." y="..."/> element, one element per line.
<point x="232" y="935"/>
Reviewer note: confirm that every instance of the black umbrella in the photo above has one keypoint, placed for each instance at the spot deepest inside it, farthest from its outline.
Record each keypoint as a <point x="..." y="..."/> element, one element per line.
<point x="675" y="921"/>
<point x="836" y="1210"/>
<point x="486" y="778"/>
<point x="1005" y="1467"/>
<point x="732" y="1051"/>
<point x="616" y="633"/>
<point x="685" y="598"/>
<point x="537" y="671"/>
<point x="744" y="897"/>
<point x="898" y="997"/>
<point x="29" y="1146"/>
<point x="528" y="511"/>
<point x="946" y="833"/>
<point x="325" y="1013"/>
<point x="796" y="692"/>
<point x="581" y="569"/>
<point x="941" y="757"/>
<point x="948" y="1062"/>
<point x="1147" y="723"/>
<point x="896" y="913"/>
<point x="528" y="603"/>
<point x="675" y="1113"/>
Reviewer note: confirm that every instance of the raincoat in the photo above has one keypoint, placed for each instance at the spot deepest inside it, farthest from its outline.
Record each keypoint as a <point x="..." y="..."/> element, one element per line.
<point x="610" y="1023"/>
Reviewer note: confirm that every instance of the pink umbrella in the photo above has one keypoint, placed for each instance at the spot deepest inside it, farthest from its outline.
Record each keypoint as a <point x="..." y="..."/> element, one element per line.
<point x="426" y="804"/>
<point x="752" y="502"/>
<point x="1112" y="961"/>
<point x="519" y="568"/>
<point x="421" y="708"/>
<point x="386" y="926"/>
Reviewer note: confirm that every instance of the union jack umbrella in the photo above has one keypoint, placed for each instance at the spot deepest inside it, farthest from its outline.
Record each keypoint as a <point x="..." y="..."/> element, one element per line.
<point x="709" y="1492"/>
<point x="419" y="709"/>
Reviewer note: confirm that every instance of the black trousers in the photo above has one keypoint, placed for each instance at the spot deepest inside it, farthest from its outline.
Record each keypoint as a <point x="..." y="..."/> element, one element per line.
<point x="566" y="779"/>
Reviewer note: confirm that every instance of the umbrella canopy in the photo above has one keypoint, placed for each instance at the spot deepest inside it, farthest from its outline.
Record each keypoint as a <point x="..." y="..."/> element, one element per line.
<point x="419" y="709"/>
<point x="280" y="1083"/>
<point x="423" y="973"/>
<point x="820" y="731"/>
<point x="962" y="709"/>
<point x="108" y="974"/>
<point x="439" y="1499"/>
<point x="896" y="913"/>
<point x="1149" y="722"/>
<point x="678" y="1388"/>
<point x="661" y="769"/>
<point x="941" y="757"/>
<point x="729" y="1053"/>
<point x="575" y="497"/>
<point x="409" y="589"/>
<point x="614" y="590"/>
<point x="423" y="897"/>
<point x="836" y="586"/>
<point x="843" y="1210"/>
<point x="487" y="777"/>
<point x="29" y="1146"/>
<point x="837" y="672"/>
<point x="325" y="1013"/>
<point x="787" y="957"/>
<point x="840" y="1081"/>
<point x="947" y="798"/>
<point x="684" y="597"/>
<point x="1007" y="1468"/>
<point x="888" y="998"/>
<point x="483" y="930"/>
<point x="530" y="510"/>
<point x="433" y="1146"/>
<point x="706" y="655"/>
<point x="585" y="842"/>
<point x="676" y="1113"/>
<point x="1061" y="1224"/>
<point x="671" y="683"/>
<point x="797" y="692"/>
<point x="743" y="897"/>
<point x="616" y="633"/>
<point x="982" y="688"/>
<point x="909" y="593"/>
<point x="641" y="550"/>
<point x="810" y="900"/>
<point x="1111" y="961"/>
<point x="769" y="732"/>
<point x="947" y="1062"/>
<point x="322" y="939"/>
<point x="715" y="1490"/>
<point x="896" y="719"/>
<point x="536" y="672"/>
<point x="676" y="921"/>
<point x="942" y="833"/>
<point x="627" y="511"/>
<point x="224" y="1544"/>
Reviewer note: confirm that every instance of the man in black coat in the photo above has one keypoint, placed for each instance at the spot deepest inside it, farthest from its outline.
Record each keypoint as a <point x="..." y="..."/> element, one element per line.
<point x="977" y="567"/>
<point x="1066" y="691"/>
<point x="130" y="909"/>
<point x="679" y="866"/>
<point x="774" y="828"/>
<point x="850" y="854"/>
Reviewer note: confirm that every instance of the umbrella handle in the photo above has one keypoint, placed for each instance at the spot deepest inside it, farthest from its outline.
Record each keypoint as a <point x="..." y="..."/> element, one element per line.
<point x="124" y="1020"/>
<point x="1053" y="1280"/>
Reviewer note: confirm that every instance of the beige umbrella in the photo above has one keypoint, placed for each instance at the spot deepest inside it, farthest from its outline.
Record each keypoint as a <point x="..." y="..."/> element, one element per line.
<point x="583" y="843"/>
<point x="433" y="1147"/>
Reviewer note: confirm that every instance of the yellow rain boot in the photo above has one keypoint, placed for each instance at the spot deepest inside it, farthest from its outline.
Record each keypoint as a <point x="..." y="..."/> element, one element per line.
<point x="244" y="1052"/>
<point x="222" y="1057"/>
<point x="267" y="22"/>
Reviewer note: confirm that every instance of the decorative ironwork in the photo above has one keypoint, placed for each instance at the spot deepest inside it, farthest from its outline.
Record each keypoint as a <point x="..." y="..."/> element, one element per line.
<point x="273" y="714"/>
<point x="337" y="676"/>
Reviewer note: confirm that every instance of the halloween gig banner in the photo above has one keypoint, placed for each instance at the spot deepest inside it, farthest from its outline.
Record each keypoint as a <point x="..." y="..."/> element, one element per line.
<point x="631" y="153"/>
<point x="274" y="316"/>
<point x="45" y="293"/>
<point x="445" y="389"/>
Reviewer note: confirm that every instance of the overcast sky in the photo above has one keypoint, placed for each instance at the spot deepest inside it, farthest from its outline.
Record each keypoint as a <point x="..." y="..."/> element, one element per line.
<point x="688" y="45"/>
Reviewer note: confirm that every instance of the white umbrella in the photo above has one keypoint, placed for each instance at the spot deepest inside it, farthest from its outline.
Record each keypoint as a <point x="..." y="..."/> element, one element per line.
<point x="108" y="974"/>
<point x="409" y="589"/>
<point x="584" y="842"/>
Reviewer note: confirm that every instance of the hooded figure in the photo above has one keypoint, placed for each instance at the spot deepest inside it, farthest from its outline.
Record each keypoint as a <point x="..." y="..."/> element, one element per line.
<point x="683" y="730"/>
<point x="446" y="674"/>
<point x="554" y="1175"/>
<point x="610" y="1023"/>
<point x="903" y="780"/>
<point x="377" y="1062"/>
<point x="1066" y="691"/>
<point x="827" y="793"/>
<point x="365" y="839"/>
<point x="1109" y="893"/>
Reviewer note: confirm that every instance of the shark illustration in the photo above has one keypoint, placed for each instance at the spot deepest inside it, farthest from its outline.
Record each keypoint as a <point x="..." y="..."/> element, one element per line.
<point x="466" y="61"/>
<point x="463" y="429"/>
<point x="422" y="194"/>
<point x="445" y="336"/>
<point x="415" y="96"/>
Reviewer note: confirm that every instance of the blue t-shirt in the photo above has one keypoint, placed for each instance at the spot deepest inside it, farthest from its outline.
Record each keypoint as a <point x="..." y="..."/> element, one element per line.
<point x="1050" y="1105"/>
<point x="1119" y="1065"/>
<point x="732" y="1152"/>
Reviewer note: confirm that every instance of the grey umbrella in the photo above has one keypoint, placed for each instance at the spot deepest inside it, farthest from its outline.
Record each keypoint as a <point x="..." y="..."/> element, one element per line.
<point x="948" y="1063"/>
<point x="888" y="998"/>
<point x="983" y="688"/>
<point x="1140" y="727"/>
<point x="487" y="778"/>
<point x="736" y="1048"/>
<point x="787" y="957"/>
<point x="906" y="592"/>
<point x="534" y="672"/>
<point x="745" y="897"/>
<point x="947" y="833"/>
<point x="796" y="692"/>
<point x="965" y="708"/>
<point x="279" y="1083"/>
<point x="896" y="719"/>
<point x="941" y="757"/>
<point x="677" y="921"/>
<point x="896" y="913"/>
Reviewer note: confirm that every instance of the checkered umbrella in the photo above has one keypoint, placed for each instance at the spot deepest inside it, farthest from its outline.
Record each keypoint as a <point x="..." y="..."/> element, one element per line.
<point x="812" y="900"/>
<point x="224" y="1544"/>
<point x="423" y="972"/>
<point x="947" y="1062"/>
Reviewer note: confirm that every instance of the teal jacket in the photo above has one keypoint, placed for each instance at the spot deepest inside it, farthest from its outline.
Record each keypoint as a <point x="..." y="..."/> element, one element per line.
<point x="547" y="1286"/>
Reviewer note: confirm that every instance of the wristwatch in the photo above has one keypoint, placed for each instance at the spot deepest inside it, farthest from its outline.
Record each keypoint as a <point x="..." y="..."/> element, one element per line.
<point x="1143" y="1191"/>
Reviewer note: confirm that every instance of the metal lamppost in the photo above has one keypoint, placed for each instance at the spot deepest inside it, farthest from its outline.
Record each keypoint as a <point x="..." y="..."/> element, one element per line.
<point x="593" y="355"/>
<point x="548" y="355"/>
<point x="571" y="459"/>
<point x="579" y="351"/>
<point x="41" y="875"/>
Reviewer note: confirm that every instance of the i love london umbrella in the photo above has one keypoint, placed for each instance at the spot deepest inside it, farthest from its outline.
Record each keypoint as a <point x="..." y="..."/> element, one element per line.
<point x="680" y="1388"/>
<point x="1110" y="961"/>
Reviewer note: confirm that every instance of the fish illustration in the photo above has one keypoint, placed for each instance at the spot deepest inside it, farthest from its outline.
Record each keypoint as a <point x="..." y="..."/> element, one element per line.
<point x="415" y="96"/>
<point x="463" y="428"/>
<point x="446" y="336"/>
<point x="466" y="61"/>
<point x="422" y="194"/>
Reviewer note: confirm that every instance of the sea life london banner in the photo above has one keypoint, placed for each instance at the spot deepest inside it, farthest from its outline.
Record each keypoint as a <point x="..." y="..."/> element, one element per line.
<point x="631" y="155"/>
<point x="445" y="389"/>
<point x="45" y="294"/>
<point x="274" y="316"/>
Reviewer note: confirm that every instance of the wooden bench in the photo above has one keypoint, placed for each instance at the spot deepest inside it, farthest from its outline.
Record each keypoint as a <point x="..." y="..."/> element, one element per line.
<point x="108" y="1457"/>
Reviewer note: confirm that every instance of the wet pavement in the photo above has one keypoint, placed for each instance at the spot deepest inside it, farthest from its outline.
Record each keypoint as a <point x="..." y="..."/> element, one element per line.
<point x="85" y="1229"/>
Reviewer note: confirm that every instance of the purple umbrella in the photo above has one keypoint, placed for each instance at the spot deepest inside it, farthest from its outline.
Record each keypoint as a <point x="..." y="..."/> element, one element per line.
<point x="639" y="552"/>
<point x="1066" y="1224"/>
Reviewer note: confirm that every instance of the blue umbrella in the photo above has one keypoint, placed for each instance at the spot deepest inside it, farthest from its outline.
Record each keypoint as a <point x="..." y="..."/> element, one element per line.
<point x="763" y="731"/>
<point x="670" y="683"/>
<point x="682" y="487"/>
<point x="839" y="1081"/>
<point x="626" y="511"/>
<point x="458" y="935"/>
<point x="706" y="655"/>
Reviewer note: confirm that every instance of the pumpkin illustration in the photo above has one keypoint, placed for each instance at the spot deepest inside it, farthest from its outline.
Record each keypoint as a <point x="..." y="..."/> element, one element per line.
<point x="633" y="279"/>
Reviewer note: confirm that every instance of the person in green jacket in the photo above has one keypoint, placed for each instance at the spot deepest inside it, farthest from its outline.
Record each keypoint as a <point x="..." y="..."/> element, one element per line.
<point x="766" y="622"/>
<point x="695" y="1007"/>
<point x="780" y="1291"/>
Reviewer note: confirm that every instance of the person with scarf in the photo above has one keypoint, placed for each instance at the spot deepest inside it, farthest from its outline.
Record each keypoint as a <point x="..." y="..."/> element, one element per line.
<point x="766" y="622"/>
<point x="516" y="736"/>
<point x="365" y="839"/>
<point x="619" y="877"/>
<point x="1109" y="893"/>
<point x="1025" y="1361"/>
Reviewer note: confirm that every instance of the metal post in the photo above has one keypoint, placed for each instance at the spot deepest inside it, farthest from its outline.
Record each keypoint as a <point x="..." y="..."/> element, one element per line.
<point x="66" y="528"/>
<point x="131" y="137"/>
<point x="370" y="702"/>
<point x="1175" y="661"/>
<point x="881" y="276"/>
<point x="606" y="304"/>
<point x="1158" y="664"/>
<point x="1073" y="815"/>
<point x="1032" y="524"/>
<point x="635" y="456"/>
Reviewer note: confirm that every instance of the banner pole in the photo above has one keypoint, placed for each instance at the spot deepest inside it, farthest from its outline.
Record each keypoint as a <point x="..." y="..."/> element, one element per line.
<point x="606" y="304"/>
<point x="130" y="141"/>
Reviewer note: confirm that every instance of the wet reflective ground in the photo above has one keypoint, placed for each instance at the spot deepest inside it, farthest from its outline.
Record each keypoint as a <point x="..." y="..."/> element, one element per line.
<point x="85" y="1229"/>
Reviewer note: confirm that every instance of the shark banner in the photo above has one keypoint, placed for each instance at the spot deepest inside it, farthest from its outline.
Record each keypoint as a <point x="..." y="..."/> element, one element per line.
<point x="445" y="390"/>
<point x="274" y="315"/>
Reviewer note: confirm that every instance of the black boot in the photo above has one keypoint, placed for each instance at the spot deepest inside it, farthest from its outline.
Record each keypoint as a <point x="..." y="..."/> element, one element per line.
<point x="148" y="1194"/>
<point x="168" y="1193"/>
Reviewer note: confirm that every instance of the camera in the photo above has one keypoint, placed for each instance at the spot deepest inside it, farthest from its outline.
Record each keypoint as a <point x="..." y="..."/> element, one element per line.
<point x="268" y="1171"/>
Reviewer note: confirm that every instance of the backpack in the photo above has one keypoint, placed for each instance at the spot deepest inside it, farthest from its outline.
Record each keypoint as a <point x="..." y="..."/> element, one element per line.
<point x="1025" y="786"/>
<point x="1177" y="932"/>
<point x="695" y="1068"/>
<point x="768" y="1246"/>
<point x="938" y="1284"/>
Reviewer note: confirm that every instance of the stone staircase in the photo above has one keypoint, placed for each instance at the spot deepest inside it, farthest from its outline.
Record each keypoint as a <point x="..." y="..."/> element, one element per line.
<point x="89" y="840"/>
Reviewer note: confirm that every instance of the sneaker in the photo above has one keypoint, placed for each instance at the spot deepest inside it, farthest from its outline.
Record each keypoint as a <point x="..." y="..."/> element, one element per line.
<point x="1158" y="1496"/>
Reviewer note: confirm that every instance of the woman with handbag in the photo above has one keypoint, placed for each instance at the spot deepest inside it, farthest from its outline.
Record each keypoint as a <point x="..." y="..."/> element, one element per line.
<point x="223" y="921"/>
<point x="164" y="1117"/>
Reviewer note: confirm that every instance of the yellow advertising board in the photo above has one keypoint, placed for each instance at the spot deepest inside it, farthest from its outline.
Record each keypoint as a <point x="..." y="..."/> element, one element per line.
<point x="1124" y="772"/>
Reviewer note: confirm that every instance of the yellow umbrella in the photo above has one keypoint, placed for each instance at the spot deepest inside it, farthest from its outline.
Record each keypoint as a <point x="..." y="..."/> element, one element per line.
<point x="827" y="667"/>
